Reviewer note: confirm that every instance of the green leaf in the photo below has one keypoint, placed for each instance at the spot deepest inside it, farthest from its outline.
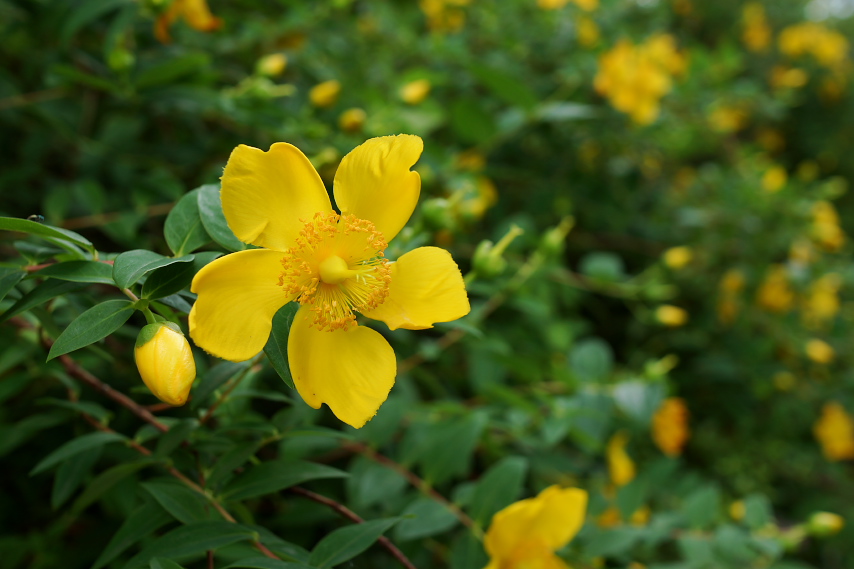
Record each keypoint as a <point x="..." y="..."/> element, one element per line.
<point x="168" y="280"/>
<point x="216" y="377"/>
<point x="276" y="475"/>
<point x="505" y="86"/>
<point x="192" y="540"/>
<point x="563" y="111"/>
<point x="171" y="69"/>
<point x="8" y="279"/>
<point x="372" y="483"/>
<point x="145" y="520"/>
<point x="79" y="271"/>
<point x="106" y="480"/>
<point x="265" y="563"/>
<point x="184" y="504"/>
<point x="175" y="436"/>
<point x="346" y="543"/>
<point x="183" y="230"/>
<point x="615" y="541"/>
<point x="276" y="349"/>
<point x="75" y="446"/>
<point x="757" y="511"/>
<point x="471" y="122"/>
<point x="591" y="359"/>
<point x="131" y="265"/>
<point x="441" y="461"/>
<point x="95" y="324"/>
<point x="70" y="475"/>
<point x="161" y="563"/>
<point x="228" y="462"/>
<point x="89" y="407"/>
<point x="13" y="436"/>
<point x="210" y="210"/>
<point x="84" y="12"/>
<point x="42" y="230"/>
<point x="40" y="294"/>
<point x="430" y="518"/>
<point x="499" y="487"/>
<point x="467" y="553"/>
<point x="702" y="507"/>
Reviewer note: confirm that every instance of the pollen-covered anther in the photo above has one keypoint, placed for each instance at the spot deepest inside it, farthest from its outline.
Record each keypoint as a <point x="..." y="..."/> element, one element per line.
<point x="337" y="268"/>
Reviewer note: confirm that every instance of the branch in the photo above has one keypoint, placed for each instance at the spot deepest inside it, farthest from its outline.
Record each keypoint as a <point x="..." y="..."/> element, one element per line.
<point x="353" y="517"/>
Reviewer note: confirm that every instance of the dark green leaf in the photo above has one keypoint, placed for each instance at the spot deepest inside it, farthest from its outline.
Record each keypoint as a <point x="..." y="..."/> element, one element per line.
<point x="184" y="504"/>
<point x="95" y="324"/>
<point x="216" y="377"/>
<point x="175" y="436"/>
<point x="276" y="475"/>
<point x="40" y="294"/>
<point x="591" y="359"/>
<point x="13" y="436"/>
<point x="42" y="230"/>
<point x="84" y="12"/>
<point x="430" y="518"/>
<point x="70" y="475"/>
<point x="441" y="461"/>
<point x="467" y="552"/>
<point x="345" y="543"/>
<point x="230" y="461"/>
<point x="265" y="563"/>
<point x="277" y="345"/>
<point x="143" y="521"/>
<point x="499" y="487"/>
<point x="192" y="540"/>
<point x="471" y="122"/>
<point x="171" y="68"/>
<point x="616" y="541"/>
<point x="183" y="230"/>
<point x="161" y="563"/>
<point x="168" y="280"/>
<point x="106" y="480"/>
<point x="8" y="279"/>
<point x="79" y="271"/>
<point x="88" y="407"/>
<point x="131" y="265"/>
<point x="75" y="446"/>
<point x="210" y="210"/>
<point x="505" y="86"/>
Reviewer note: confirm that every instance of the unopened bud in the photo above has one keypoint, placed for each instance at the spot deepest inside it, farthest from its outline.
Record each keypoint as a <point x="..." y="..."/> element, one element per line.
<point x="825" y="524"/>
<point x="415" y="91"/>
<point x="325" y="94"/>
<point x="271" y="65"/>
<point x="553" y="239"/>
<point x="437" y="213"/>
<point x="671" y="316"/>
<point x="352" y="120"/>
<point x="488" y="260"/>
<point x="165" y="362"/>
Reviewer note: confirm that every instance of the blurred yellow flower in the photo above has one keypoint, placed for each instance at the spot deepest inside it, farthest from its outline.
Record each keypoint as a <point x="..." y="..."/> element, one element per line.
<point x="737" y="510"/>
<point x="195" y="12"/>
<point x="587" y="5"/>
<point x="774" y="179"/>
<point x="332" y="264"/>
<point x="727" y="119"/>
<point x="587" y="31"/>
<point x="756" y="34"/>
<point x="774" y="293"/>
<point x="552" y="4"/>
<point x="472" y="200"/>
<point x="670" y="429"/>
<point x="444" y="15"/>
<point x="526" y="534"/>
<point x="819" y="351"/>
<point x="325" y="94"/>
<point x="415" y="91"/>
<point x="834" y="430"/>
<point x="621" y="467"/>
<point x="732" y="282"/>
<point x="802" y="251"/>
<point x="678" y="257"/>
<point x="825" y="524"/>
<point x="826" y="228"/>
<point x="784" y="77"/>
<point x="671" y="316"/>
<point x="828" y="47"/>
<point x="272" y="65"/>
<point x="165" y="362"/>
<point x="352" y="120"/>
<point x="822" y="300"/>
<point x="611" y="517"/>
<point x="471" y="160"/>
<point x="635" y="78"/>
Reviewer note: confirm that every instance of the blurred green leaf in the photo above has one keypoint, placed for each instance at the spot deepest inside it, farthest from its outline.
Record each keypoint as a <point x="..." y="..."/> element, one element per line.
<point x="430" y="518"/>
<point x="345" y="543"/>
<point x="506" y="86"/>
<point x="143" y="521"/>
<point x="75" y="446"/>
<point x="499" y="487"/>
<point x="591" y="359"/>
<point x="8" y="279"/>
<point x="71" y="474"/>
<point x="160" y="563"/>
<point x="95" y="324"/>
<point x="40" y="294"/>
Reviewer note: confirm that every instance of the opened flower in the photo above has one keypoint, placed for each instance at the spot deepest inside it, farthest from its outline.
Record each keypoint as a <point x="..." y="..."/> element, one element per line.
<point x="195" y="12"/>
<point x="332" y="263"/>
<point x="527" y="533"/>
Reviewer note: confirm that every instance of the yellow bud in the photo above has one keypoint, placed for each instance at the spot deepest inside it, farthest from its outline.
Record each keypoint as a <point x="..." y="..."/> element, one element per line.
<point x="737" y="510"/>
<point x="774" y="179"/>
<point x="165" y="362"/>
<point x="325" y="94"/>
<point x="272" y="65"/>
<point x="352" y="120"/>
<point x="678" y="257"/>
<point x="825" y="524"/>
<point x="671" y="316"/>
<point x="415" y="91"/>
<point x="819" y="351"/>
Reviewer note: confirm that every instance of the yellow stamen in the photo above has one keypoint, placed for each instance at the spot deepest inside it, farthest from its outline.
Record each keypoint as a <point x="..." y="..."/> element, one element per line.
<point x="337" y="267"/>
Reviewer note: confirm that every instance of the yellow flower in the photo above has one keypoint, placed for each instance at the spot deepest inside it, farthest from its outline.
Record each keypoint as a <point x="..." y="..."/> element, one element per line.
<point x="826" y="228"/>
<point x="828" y="47"/>
<point x="670" y="429"/>
<point x="352" y="120"/>
<point x="774" y="293"/>
<point x="834" y="430"/>
<point x="732" y="282"/>
<point x="325" y="94"/>
<point x="551" y="4"/>
<point x="822" y="301"/>
<point x="525" y="534"/>
<point x="272" y="65"/>
<point x="774" y="179"/>
<point x="819" y="351"/>
<point x="332" y="264"/>
<point x="678" y="257"/>
<point x="756" y="34"/>
<point x="671" y="316"/>
<point x="737" y="510"/>
<point x="165" y="362"/>
<point x="444" y="15"/>
<point x="727" y="119"/>
<point x="195" y="12"/>
<point x="415" y="91"/>
<point x="783" y="77"/>
<point x="621" y="467"/>
<point x="587" y="5"/>
<point x="587" y="31"/>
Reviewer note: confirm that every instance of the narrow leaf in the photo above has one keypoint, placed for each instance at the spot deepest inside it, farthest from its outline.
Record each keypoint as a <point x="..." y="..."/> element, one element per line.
<point x="192" y="540"/>
<point x="143" y="521"/>
<point x="42" y="230"/>
<point x="106" y="480"/>
<point x="429" y="518"/>
<point x="8" y="279"/>
<point x="95" y="324"/>
<point x="79" y="271"/>
<point x="276" y="349"/>
<point x="346" y="543"/>
<point x="75" y="446"/>
<point x="266" y="563"/>
<point x="210" y="210"/>
<point x="276" y="475"/>
<point x="184" y="504"/>
<point x="161" y="563"/>
<point x="70" y="475"/>
<point x="183" y="229"/>
<point x="40" y="294"/>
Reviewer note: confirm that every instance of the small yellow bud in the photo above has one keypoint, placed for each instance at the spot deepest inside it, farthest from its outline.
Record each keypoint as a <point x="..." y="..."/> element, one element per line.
<point x="737" y="510"/>
<point x="678" y="257"/>
<point x="325" y="94"/>
<point x="819" y="351"/>
<point x="165" y="362"/>
<point x="825" y="524"/>
<point x="774" y="179"/>
<point x="415" y="91"/>
<point x="671" y="316"/>
<point x="352" y="120"/>
<point x="272" y="65"/>
<point x="621" y="467"/>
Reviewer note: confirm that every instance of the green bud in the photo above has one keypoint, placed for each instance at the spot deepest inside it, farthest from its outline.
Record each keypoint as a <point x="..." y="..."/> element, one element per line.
<point x="437" y="213"/>
<point x="553" y="240"/>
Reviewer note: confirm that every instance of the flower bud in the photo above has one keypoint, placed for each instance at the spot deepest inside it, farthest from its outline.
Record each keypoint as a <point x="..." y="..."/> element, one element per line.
<point x="671" y="316"/>
<point x="415" y="91"/>
<point x="678" y="257"/>
<point x="437" y="213"/>
<point x="825" y="524"/>
<point x="352" y="120"/>
<point x="271" y="65"/>
<point x="165" y="362"/>
<point x="819" y="351"/>
<point x="325" y="94"/>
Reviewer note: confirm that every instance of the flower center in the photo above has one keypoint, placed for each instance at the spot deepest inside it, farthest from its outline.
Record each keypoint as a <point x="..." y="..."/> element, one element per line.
<point x="337" y="268"/>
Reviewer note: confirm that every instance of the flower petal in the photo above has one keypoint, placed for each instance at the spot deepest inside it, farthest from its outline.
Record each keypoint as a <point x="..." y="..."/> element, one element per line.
<point x="426" y="287"/>
<point x="374" y="182"/>
<point x="351" y="371"/>
<point x="238" y="296"/>
<point x="266" y="194"/>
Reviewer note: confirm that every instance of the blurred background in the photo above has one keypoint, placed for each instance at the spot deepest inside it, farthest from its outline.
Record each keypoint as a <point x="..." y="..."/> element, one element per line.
<point x="649" y="198"/>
